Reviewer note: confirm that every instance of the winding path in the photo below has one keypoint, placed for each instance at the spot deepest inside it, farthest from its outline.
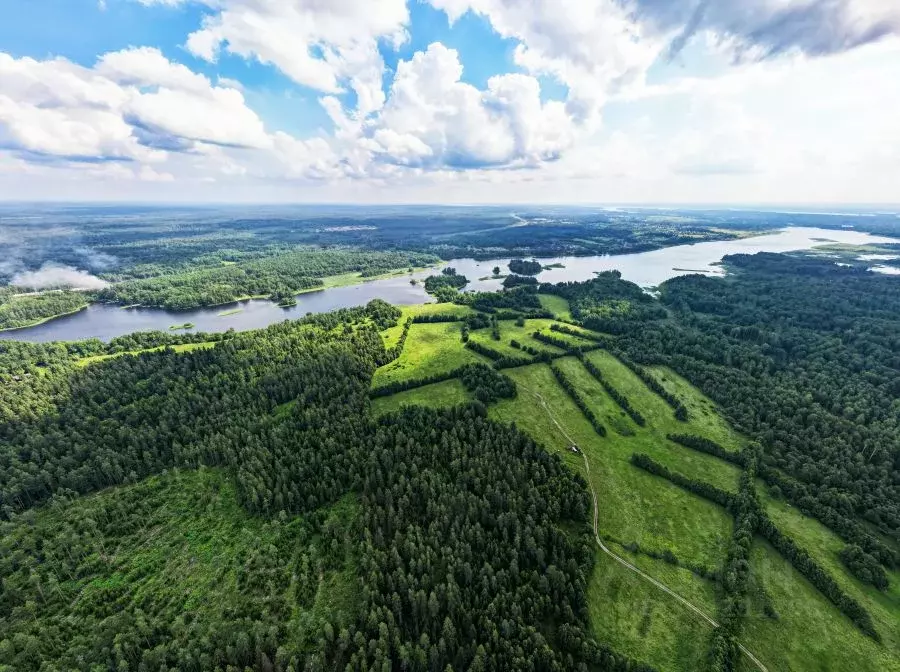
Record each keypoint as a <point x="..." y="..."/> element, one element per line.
<point x="622" y="561"/>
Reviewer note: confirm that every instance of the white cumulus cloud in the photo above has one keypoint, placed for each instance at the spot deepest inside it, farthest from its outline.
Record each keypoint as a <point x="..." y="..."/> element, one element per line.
<point x="434" y="120"/>
<point x="323" y="44"/>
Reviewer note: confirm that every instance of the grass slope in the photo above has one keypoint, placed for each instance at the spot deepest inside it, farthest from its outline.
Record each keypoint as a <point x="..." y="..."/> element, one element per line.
<point x="634" y="506"/>
<point x="631" y="615"/>
<point x="809" y="633"/>
<point x="430" y="349"/>
<point x="440" y="395"/>
<point x="392" y="335"/>
<point x="556" y="305"/>
<point x="510" y="331"/>
<point x="811" y="628"/>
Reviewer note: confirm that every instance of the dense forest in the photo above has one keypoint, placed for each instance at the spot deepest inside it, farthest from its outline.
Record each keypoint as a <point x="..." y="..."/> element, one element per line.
<point x="424" y="539"/>
<point x="469" y="542"/>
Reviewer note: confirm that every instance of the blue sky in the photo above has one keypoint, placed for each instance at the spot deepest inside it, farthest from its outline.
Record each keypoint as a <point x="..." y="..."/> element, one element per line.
<point x="449" y="100"/>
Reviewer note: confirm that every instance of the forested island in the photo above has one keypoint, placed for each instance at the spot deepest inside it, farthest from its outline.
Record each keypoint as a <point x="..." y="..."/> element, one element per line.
<point x="553" y="476"/>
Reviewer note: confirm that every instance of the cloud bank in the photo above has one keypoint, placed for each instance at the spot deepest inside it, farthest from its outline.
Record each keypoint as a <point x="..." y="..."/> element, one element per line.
<point x="136" y="116"/>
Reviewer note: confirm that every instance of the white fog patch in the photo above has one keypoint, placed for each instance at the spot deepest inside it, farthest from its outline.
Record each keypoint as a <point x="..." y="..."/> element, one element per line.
<point x="98" y="261"/>
<point x="56" y="275"/>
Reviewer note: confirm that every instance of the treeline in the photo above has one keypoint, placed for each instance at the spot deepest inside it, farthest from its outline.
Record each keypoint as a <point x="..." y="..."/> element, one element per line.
<point x="667" y="556"/>
<point x="681" y="412"/>
<point x="396" y="386"/>
<point x="569" y="387"/>
<point x="617" y="396"/>
<point x="570" y="348"/>
<point x="395" y="352"/>
<point x="437" y="318"/>
<point x="500" y="360"/>
<point x="586" y="335"/>
<point x="701" y="488"/>
<point x="17" y="310"/>
<point x="703" y="445"/>
<point x="539" y="355"/>
<point x="493" y="386"/>
<point x="734" y="579"/>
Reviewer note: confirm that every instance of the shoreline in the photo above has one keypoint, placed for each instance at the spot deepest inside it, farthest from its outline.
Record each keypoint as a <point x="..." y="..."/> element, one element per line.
<point x="47" y="319"/>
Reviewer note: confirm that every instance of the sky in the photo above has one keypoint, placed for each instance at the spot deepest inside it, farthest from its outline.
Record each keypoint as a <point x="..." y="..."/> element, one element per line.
<point x="451" y="101"/>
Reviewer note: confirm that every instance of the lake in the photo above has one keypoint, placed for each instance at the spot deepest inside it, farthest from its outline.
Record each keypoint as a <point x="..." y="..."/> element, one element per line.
<point x="647" y="269"/>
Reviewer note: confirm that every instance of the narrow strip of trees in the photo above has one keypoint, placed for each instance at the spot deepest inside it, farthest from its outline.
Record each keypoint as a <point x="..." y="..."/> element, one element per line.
<point x="701" y="488"/>
<point x="579" y="400"/>
<point x="650" y="381"/>
<point x="704" y="445"/>
<point x="587" y="335"/>
<point x="617" y="396"/>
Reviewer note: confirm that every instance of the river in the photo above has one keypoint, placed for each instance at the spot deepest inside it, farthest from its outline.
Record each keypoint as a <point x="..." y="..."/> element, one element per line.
<point x="647" y="269"/>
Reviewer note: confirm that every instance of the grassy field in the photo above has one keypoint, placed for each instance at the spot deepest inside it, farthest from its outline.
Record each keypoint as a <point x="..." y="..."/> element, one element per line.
<point x="430" y="349"/>
<point x="810" y="633"/>
<point x="440" y="395"/>
<point x="186" y="347"/>
<point x="812" y="628"/>
<point x="650" y="439"/>
<point x="356" y="278"/>
<point x="634" y="617"/>
<point x="556" y="305"/>
<point x="510" y="331"/>
<point x="392" y="335"/>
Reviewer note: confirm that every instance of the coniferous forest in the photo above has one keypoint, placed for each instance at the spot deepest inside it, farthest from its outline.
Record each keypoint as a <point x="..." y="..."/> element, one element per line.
<point x="244" y="500"/>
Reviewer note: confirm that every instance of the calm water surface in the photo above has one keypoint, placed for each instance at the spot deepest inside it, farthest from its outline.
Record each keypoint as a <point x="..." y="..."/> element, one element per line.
<point x="647" y="269"/>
